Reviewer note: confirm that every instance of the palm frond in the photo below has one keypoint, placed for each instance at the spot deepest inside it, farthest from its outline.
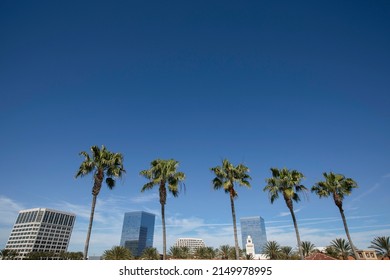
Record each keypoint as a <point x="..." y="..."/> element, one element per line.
<point x="148" y="186"/>
<point x="110" y="183"/>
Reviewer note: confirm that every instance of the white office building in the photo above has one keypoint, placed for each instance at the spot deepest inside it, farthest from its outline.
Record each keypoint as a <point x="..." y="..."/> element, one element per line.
<point x="191" y="243"/>
<point x="41" y="230"/>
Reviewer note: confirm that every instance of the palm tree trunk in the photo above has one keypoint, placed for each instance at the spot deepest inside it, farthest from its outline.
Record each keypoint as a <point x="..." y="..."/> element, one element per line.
<point x="296" y="230"/>
<point x="234" y="227"/>
<point x="163" y="199"/>
<point x="86" y="246"/>
<point x="164" y="232"/>
<point x="347" y="231"/>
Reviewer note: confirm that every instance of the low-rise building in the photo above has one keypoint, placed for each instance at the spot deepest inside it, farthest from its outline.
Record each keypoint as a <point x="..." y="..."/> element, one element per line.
<point x="191" y="243"/>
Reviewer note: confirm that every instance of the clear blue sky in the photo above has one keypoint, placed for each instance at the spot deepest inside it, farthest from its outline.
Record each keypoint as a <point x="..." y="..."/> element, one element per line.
<point x="296" y="84"/>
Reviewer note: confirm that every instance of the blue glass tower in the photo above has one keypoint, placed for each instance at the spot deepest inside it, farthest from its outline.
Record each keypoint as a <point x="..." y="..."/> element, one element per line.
<point x="137" y="231"/>
<point x="255" y="227"/>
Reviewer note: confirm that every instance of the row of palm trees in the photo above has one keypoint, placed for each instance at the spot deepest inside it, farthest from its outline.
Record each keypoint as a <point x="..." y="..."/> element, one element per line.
<point x="9" y="254"/>
<point x="104" y="164"/>
<point x="339" y="248"/>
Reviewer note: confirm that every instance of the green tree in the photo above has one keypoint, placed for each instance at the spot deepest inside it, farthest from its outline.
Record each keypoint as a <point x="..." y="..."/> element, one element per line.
<point x="71" y="256"/>
<point x="40" y="255"/>
<point x="337" y="186"/>
<point x="117" y="253"/>
<point x="200" y="253"/>
<point x="227" y="176"/>
<point x="331" y="251"/>
<point x="175" y="252"/>
<point x="288" y="183"/>
<point x="211" y="253"/>
<point x="150" y="253"/>
<point x="102" y="163"/>
<point x="233" y="253"/>
<point x="342" y="248"/>
<point x="163" y="173"/>
<point x="204" y="253"/>
<point x="186" y="252"/>
<point x="272" y="250"/>
<point x="223" y="252"/>
<point x="8" y="254"/>
<point x="181" y="252"/>
<point x="381" y="244"/>
<point x="286" y="253"/>
<point x="307" y="248"/>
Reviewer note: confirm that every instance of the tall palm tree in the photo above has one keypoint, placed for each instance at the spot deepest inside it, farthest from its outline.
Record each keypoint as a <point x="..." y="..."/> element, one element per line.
<point x="337" y="186"/>
<point x="307" y="248"/>
<point x="163" y="173"/>
<point x="288" y="183"/>
<point x="227" y="176"/>
<point x="103" y="163"/>
<point x="117" y="253"/>
<point x="272" y="250"/>
<point x="381" y="244"/>
<point x="342" y="248"/>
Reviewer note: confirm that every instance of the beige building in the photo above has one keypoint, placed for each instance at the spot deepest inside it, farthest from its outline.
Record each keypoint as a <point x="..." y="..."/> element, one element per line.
<point x="367" y="255"/>
<point x="191" y="243"/>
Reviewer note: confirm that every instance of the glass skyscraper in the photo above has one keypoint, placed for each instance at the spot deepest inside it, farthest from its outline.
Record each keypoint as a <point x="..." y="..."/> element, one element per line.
<point x="137" y="231"/>
<point x="255" y="228"/>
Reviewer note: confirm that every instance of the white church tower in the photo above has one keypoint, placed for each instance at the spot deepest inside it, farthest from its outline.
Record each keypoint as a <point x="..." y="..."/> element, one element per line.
<point x="250" y="247"/>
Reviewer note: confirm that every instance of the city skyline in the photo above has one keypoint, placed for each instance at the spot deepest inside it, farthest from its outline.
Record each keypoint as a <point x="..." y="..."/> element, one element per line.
<point x="300" y="85"/>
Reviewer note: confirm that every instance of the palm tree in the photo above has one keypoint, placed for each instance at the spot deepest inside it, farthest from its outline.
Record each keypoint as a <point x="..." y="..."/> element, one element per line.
<point x="286" y="252"/>
<point x="204" y="253"/>
<point x="337" y="186"/>
<point x="185" y="252"/>
<point x="233" y="253"/>
<point x="161" y="173"/>
<point x="34" y="255"/>
<point x="331" y="251"/>
<point x="288" y="183"/>
<point x="224" y="252"/>
<point x="71" y="256"/>
<point x="182" y="252"/>
<point x="381" y="244"/>
<point x="272" y="250"/>
<point x="9" y="254"/>
<point x="342" y="248"/>
<point x="103" y="163"/>
<point x="307" y="248"/>
<point x="200" y="253"/>
<point x="211" y="253"/>
<point x="117" y="253"/>
<point x="150" y="253"/>
<point x="226" y="176"/>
